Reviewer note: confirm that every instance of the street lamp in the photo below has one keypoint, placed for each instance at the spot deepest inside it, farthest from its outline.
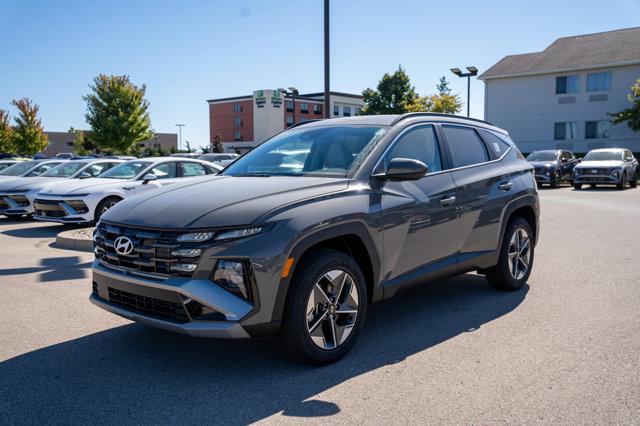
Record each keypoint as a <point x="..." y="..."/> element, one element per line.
<point x="180" y="126"/>
<point x="473" y="71"/>
<point x="293" y="92"/>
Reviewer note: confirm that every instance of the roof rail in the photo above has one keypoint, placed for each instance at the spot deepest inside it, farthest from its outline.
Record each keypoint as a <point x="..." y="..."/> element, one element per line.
<point x="435" y="114"/>
<point x="302" y="123"/>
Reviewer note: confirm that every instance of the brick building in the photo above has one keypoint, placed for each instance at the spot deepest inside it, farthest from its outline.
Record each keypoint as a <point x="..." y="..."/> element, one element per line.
<point x="245" y="121"/>
<point x="60" y="142"/>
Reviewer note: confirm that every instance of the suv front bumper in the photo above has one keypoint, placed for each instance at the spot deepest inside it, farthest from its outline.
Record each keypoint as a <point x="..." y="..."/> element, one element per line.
<point x="160" y="302"/>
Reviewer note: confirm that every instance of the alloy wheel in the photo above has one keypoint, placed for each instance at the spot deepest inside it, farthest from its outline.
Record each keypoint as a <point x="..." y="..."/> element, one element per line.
<point x="332" y="309"/>
<point x="519" y="254"/>
<point x="107" y="207"/>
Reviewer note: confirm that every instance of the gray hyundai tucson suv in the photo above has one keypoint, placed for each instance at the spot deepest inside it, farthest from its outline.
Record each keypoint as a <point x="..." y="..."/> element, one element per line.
<point x="299" y="235"/>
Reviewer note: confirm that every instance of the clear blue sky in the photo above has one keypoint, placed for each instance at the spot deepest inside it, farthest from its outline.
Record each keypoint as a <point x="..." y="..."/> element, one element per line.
<point x="190" y="51"/>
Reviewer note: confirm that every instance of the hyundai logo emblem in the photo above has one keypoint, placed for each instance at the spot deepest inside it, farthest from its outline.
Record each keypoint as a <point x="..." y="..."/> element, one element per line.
<point x="594" y="171"/>
<point x="123" y="245"/>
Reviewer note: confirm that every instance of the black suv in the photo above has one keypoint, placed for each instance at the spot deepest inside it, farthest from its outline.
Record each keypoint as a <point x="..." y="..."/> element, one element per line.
<point x="295" y="238"/>
<point x="553" y="166"/>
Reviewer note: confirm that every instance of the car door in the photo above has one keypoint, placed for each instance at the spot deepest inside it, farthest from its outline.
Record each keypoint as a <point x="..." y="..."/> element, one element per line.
<point x="166" y="174"/>
<point x="483" y="186"/>
<point x="418" y="216"/>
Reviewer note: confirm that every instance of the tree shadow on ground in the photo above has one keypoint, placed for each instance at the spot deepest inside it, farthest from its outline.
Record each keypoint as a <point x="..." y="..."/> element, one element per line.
<point x="134" y="373"/>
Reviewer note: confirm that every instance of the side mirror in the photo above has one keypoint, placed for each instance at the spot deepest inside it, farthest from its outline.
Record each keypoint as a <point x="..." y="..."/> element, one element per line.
<point x="84" y="175"/>
<point x="148" y="178"/>
<point x="404" y="169"/>
<point x="629" y="158"/>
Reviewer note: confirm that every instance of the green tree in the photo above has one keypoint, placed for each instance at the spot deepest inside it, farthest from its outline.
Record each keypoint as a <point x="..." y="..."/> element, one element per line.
<point x="445" y="103"/>
<point x="393" y="94"/>
<point x="80" y="142"/>
<point x="189" y="149"/>
<point x="28" y="135"/>
<point x="631" y="115"/>
<point x="443" y="86"/>
<point x="117" y="113"/>
<point x="216" y="144"/>
<point x="6" y="133"/>
<point x="205" y="149"/>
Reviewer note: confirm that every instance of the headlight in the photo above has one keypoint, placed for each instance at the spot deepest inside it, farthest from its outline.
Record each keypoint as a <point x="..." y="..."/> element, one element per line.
<point x="232" y="276"/>
<point x="195" y="237"/>
<point x="239" y="233"/>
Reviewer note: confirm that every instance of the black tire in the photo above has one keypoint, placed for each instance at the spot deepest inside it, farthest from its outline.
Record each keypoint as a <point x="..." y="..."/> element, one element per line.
<point x="294" y="334"/>
<point x="500" y="275"/>
<point x="555" y="183"/>
<point x="539" y="185"/>
<point x="623" y="181"/>
<point x="592" y="185"/>
<point x="577" y="186"/>
<point x="105" y="205"/>
<point x="634" y="181"/>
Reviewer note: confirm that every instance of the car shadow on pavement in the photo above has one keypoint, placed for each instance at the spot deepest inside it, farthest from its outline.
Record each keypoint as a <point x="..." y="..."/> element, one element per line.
<point x="54" y="269"/>
<point x="133" y="373"/>
<point x="42" y="231"/>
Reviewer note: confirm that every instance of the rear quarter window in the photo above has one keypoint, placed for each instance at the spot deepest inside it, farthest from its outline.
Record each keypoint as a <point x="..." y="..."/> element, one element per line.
<point x="497" y="145"/>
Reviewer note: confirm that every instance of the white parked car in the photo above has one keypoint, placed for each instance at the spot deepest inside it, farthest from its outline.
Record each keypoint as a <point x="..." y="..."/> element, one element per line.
<point x="221" y="159"/>
<point x="17" y="195"/>
<point x="6" y="163"/>
<point x="86" y="201"/>
<point x="28" y="168"/>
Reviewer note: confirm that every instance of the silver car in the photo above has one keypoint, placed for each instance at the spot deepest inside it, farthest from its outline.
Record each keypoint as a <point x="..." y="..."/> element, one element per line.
<point x="613" y="166"/>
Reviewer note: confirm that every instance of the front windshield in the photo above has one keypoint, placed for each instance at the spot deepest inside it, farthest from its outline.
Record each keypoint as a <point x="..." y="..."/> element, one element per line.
<point x="329" y="151"/>
<point x="603" y="156"/>
<point x="125" y="170"/>
<point x="542" y="156"/>
<point x="18" y="169"/>
<point x="64" y="170"/>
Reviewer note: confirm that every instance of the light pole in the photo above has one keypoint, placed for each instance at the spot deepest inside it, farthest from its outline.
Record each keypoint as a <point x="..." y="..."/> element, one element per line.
<point x="473" y="71"/>
<point x="326" y="60"/>
<point x="293" y="92"/>
<point x="180" y="126"/>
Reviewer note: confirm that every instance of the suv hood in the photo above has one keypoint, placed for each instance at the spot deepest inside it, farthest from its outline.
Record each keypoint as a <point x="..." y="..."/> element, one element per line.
<point x="27" y="183"/>
<point x="82" y="186"/>
<point x="219" y="201"/>
<point x="609" y="163"/>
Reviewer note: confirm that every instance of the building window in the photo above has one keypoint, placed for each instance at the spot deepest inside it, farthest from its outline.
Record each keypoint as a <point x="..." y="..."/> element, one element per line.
<point x="567" y="84"/>
<point x="237" y="121"/>
<point x="237" y="107"/>
<point x="346" y="111"/>
<point x="598" y="82"/>
<point x="304" y="108"/>
<point x="237" y="136"/>
<point x="69" y="143"/>
<point x="357" y="111"/>
<point x="289" y="120"/>
<point x="597" y="129"/>
<point x="317" y="109"/>
<point x="289" y="106"/>
<point x="336" y="110"/>
<point x="566" y="130"/>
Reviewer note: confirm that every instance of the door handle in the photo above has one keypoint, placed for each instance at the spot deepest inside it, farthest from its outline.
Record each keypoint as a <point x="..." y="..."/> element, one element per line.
<point x="446" y="200"/>
<point x="506" y="186"/>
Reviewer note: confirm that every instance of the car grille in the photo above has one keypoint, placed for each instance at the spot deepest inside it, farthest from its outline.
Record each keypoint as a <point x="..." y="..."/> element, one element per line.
<point x="152" y="250"/>
<point x="589" y="171"/>
<point x="48" y="208"/>
<point x="150" y="306"/>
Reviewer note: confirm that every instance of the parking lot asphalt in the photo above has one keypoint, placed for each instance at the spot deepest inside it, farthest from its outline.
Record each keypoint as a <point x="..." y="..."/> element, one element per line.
<point x="565" y="349"/>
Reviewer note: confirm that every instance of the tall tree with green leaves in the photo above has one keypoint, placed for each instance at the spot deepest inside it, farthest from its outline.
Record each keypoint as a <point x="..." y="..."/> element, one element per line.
<point x="117" y="113"/>
<point x="392" y="95"/>
<point x="6" y="142"/>
<point x="443" y="86"/>
<point x="81" y="144"/>
<point x="631" y="115"/>
<point x="216" y="144"/>
<point x="28" y="135"/>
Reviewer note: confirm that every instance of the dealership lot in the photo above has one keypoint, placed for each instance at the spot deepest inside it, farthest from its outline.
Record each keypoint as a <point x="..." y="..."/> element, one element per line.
<point x="564" y="349"/>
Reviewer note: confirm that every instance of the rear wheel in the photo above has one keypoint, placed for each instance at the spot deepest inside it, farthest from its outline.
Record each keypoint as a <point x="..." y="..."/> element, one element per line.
<point x="105" y="205"/>
<point x="516" y="257"/>
<point x="325" y="308"/>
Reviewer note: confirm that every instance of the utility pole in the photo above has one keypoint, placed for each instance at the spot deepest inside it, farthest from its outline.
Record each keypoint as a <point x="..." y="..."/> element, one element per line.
<point x="327" y="86"/>
<point x="180" y="126"/>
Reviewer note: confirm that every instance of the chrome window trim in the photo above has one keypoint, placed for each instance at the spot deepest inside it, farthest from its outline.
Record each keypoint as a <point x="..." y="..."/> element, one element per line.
<point x="433" y="124"/>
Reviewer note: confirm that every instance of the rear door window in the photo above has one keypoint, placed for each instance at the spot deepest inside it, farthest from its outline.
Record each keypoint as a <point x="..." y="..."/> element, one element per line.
<point x="165" y="171"/>
<point x="465" y="146"/>
<point x="192" y="169"/>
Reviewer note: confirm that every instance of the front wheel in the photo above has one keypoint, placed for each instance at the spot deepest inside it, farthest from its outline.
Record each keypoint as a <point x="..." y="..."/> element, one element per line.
<point x="577" y="185"/>
<point x="556" y="180"/>
<point x="623" y="181"/>
<point x="325" y="308"/>
<point x="516" y="257"/>
<point x="105" y="205"/>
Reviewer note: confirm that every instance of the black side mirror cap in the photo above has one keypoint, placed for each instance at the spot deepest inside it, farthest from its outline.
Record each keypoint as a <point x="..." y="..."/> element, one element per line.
<point x="404" y="169"/>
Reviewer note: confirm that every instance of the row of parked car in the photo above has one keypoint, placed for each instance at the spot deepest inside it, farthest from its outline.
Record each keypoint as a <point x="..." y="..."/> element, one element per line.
<point x="613" y="166"/>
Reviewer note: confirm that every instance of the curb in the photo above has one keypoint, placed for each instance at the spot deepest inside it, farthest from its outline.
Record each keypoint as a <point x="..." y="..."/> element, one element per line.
<point x="67" y="241"/>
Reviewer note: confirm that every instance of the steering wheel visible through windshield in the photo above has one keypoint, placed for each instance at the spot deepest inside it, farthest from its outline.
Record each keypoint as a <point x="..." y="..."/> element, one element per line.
<point x="313" y="151"/>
